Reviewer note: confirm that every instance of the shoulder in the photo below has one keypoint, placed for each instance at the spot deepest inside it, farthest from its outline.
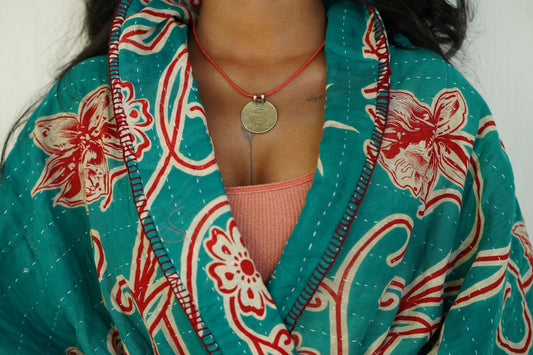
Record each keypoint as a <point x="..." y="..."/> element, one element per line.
<point x="434" y="109"/>
<point x="71" y="90"/>
<point x="82" y="79"/>
<point x="438" y="85"/>
<point x="90" y="70"/>
<point x="77" y="107"/>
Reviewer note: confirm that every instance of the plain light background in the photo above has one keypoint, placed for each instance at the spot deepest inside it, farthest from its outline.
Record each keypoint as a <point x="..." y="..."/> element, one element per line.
<point x="39" y="36"/>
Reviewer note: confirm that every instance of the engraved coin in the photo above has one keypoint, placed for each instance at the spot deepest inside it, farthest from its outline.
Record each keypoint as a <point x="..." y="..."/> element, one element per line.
<point x="259" y="116"/>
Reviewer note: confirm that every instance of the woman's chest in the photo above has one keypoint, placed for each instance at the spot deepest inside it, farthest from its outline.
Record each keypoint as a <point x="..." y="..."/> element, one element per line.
<point x="290" y="149"/>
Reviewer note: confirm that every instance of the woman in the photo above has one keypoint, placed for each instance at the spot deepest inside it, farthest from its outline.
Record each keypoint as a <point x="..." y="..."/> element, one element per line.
<point x="372" y="193"/>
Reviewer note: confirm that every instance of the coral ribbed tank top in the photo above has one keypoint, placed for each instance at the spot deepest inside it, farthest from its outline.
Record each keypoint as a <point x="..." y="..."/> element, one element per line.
<point x="266" y="215"/>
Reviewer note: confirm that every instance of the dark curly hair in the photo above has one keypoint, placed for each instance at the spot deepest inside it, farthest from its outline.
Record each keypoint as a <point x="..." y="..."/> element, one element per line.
<point x="437" y="25"/>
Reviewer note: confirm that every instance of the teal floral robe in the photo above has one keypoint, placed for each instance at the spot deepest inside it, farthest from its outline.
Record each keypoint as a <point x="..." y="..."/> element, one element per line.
<point x="117" y="236"/>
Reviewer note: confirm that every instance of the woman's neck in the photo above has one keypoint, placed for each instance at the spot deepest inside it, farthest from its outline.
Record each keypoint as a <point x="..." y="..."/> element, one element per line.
<point x="262" y="31"/>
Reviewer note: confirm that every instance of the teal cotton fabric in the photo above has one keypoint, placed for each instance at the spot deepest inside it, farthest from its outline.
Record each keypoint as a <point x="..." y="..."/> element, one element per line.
<point x="117" y="236"/>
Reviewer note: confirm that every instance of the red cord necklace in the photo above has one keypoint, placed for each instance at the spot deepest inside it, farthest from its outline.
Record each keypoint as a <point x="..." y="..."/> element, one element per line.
<point x="258" y="115"/>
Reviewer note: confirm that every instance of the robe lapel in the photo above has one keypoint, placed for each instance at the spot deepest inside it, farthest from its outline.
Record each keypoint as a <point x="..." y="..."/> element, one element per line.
<point x="178" y="189"/>
<point x="356" y="104"/>
<point x="179" y="194"/>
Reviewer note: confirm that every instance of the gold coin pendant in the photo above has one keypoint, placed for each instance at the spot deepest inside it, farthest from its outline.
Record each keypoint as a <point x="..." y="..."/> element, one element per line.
<point x="259" y="116"/>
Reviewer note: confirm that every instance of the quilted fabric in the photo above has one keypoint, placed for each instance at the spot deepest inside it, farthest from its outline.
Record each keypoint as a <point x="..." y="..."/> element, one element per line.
<point x="117" y="236"/>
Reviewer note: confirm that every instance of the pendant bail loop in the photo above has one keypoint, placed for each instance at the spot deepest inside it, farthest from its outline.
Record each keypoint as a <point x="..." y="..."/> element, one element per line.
<point x="259" y="100"/>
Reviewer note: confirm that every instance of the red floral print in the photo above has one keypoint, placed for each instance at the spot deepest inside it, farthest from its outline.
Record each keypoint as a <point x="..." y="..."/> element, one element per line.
<point x="80" y="145"/>
<point x="420" y="143"/>
<point x="370" y="47"/>
<point x="115" y="344"/>
<point x="139" y="119"/>
<point x="519" y="231"/>
<point x="297" y="341"/>
<point x="233" y="271"/>
<point x="99" y="254"/>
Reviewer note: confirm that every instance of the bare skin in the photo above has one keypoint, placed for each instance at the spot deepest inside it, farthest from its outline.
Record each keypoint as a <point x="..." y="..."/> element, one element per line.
<point x="259" y="44"/>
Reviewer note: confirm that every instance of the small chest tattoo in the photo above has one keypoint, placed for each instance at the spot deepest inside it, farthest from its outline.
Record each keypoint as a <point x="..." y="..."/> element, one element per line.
<point x="315" y="99"/>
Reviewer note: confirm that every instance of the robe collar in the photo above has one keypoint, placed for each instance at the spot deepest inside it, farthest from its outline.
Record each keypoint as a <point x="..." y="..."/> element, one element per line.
<point x="178" y="190"/>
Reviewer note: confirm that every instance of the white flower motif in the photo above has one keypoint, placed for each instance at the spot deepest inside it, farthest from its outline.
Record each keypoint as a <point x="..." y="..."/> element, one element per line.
<point x="233" y="271"/>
